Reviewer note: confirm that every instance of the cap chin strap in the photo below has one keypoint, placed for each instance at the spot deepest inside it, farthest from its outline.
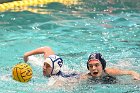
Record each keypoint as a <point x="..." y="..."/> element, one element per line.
<point x="52" y="65"/>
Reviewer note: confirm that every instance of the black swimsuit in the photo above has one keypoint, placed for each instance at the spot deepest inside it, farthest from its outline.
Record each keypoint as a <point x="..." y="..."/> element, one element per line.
<point x="105" y="79"/>
<point x="109" y="79"/>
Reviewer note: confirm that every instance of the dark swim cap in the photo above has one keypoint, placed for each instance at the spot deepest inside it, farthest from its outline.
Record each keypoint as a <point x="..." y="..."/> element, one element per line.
<point x="97" y="56"/>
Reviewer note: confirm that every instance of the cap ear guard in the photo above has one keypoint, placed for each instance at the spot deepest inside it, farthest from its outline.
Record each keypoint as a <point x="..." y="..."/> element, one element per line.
<point x="55" y="63"/>
<point x="103" y="62"/>
<point x="87" y="66"/>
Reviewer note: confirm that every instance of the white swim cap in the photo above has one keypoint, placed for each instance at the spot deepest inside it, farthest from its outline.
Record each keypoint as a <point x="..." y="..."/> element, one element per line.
<point x="55" y="62"/>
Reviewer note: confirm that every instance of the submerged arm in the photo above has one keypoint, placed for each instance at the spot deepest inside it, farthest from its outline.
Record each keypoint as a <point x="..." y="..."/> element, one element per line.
<point x="112" y="71"/>
<point x="42" y="50"/>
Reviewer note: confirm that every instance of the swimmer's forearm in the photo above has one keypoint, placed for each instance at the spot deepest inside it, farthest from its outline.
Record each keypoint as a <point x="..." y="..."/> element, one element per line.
<point x="114" y="71"/>
<point x="33" y="52"/>
<point x="40" y="50"/>
<point x="134" y="74"/>
<point x="129" y="72"/>
<point x="125" y="72"/>
<point x="43" y="50"/>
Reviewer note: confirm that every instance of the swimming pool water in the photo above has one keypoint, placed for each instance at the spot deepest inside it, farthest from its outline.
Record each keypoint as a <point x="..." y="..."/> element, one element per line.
<point x="111" y="28"/>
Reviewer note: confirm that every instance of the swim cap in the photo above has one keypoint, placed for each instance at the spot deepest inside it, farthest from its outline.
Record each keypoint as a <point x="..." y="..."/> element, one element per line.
<point x="55" y="62"/>
<point x="97" y="56"/>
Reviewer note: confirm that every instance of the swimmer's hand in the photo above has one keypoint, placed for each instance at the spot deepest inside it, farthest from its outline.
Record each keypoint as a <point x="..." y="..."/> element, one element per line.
<point x="135" y="75"/>
<point x="25" y="58"/>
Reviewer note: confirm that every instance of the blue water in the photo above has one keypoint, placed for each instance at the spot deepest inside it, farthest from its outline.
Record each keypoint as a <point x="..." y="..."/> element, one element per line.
<point x="73" y="32"/>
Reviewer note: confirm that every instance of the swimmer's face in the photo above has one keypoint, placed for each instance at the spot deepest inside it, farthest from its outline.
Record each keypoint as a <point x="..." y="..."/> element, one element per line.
<point x="95" y="68"/>
<point x="47" y="70"/>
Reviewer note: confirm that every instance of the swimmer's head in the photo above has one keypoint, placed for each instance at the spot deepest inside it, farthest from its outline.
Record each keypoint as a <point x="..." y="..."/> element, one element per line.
<point x="97" y="56"/>
<point x="52" y="65"/>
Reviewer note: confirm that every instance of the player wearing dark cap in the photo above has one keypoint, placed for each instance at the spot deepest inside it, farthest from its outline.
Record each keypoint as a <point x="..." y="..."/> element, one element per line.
<point x="96" y="65"/>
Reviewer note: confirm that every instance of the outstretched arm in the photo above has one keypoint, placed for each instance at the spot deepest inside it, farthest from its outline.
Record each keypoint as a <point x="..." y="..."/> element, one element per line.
<point x="112" y="71"/>
<point x="42" y="50"/>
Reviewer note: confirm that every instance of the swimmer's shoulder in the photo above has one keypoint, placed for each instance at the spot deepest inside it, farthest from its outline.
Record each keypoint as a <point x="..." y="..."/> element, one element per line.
<point x="111" y="71"/>
<point x="85" y="76"/>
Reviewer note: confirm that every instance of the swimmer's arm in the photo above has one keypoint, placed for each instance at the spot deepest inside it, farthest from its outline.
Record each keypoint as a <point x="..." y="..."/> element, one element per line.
<point x="42" y="50"/>
<point x="84" y="77"/>
<point x="113" y="71"/>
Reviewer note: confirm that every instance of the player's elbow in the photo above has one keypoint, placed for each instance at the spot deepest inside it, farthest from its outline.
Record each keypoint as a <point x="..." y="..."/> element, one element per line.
<point x="46" y="48"/>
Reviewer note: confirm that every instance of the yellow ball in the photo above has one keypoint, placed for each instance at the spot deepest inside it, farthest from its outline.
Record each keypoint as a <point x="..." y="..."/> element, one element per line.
<point x="22" y="72"/>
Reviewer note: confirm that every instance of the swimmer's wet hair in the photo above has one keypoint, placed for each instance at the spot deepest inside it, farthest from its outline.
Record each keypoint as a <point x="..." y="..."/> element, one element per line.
<point x="97" y="56"/>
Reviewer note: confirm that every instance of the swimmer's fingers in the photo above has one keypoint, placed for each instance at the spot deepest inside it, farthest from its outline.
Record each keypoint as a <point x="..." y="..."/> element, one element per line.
<point x="25" y="58"/>
<point x="136" y="78"/>
<point x="135" y="75"/>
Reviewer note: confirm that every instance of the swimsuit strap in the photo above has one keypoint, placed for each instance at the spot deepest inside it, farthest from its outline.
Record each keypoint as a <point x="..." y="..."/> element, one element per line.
<point x="60" y="73"/>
